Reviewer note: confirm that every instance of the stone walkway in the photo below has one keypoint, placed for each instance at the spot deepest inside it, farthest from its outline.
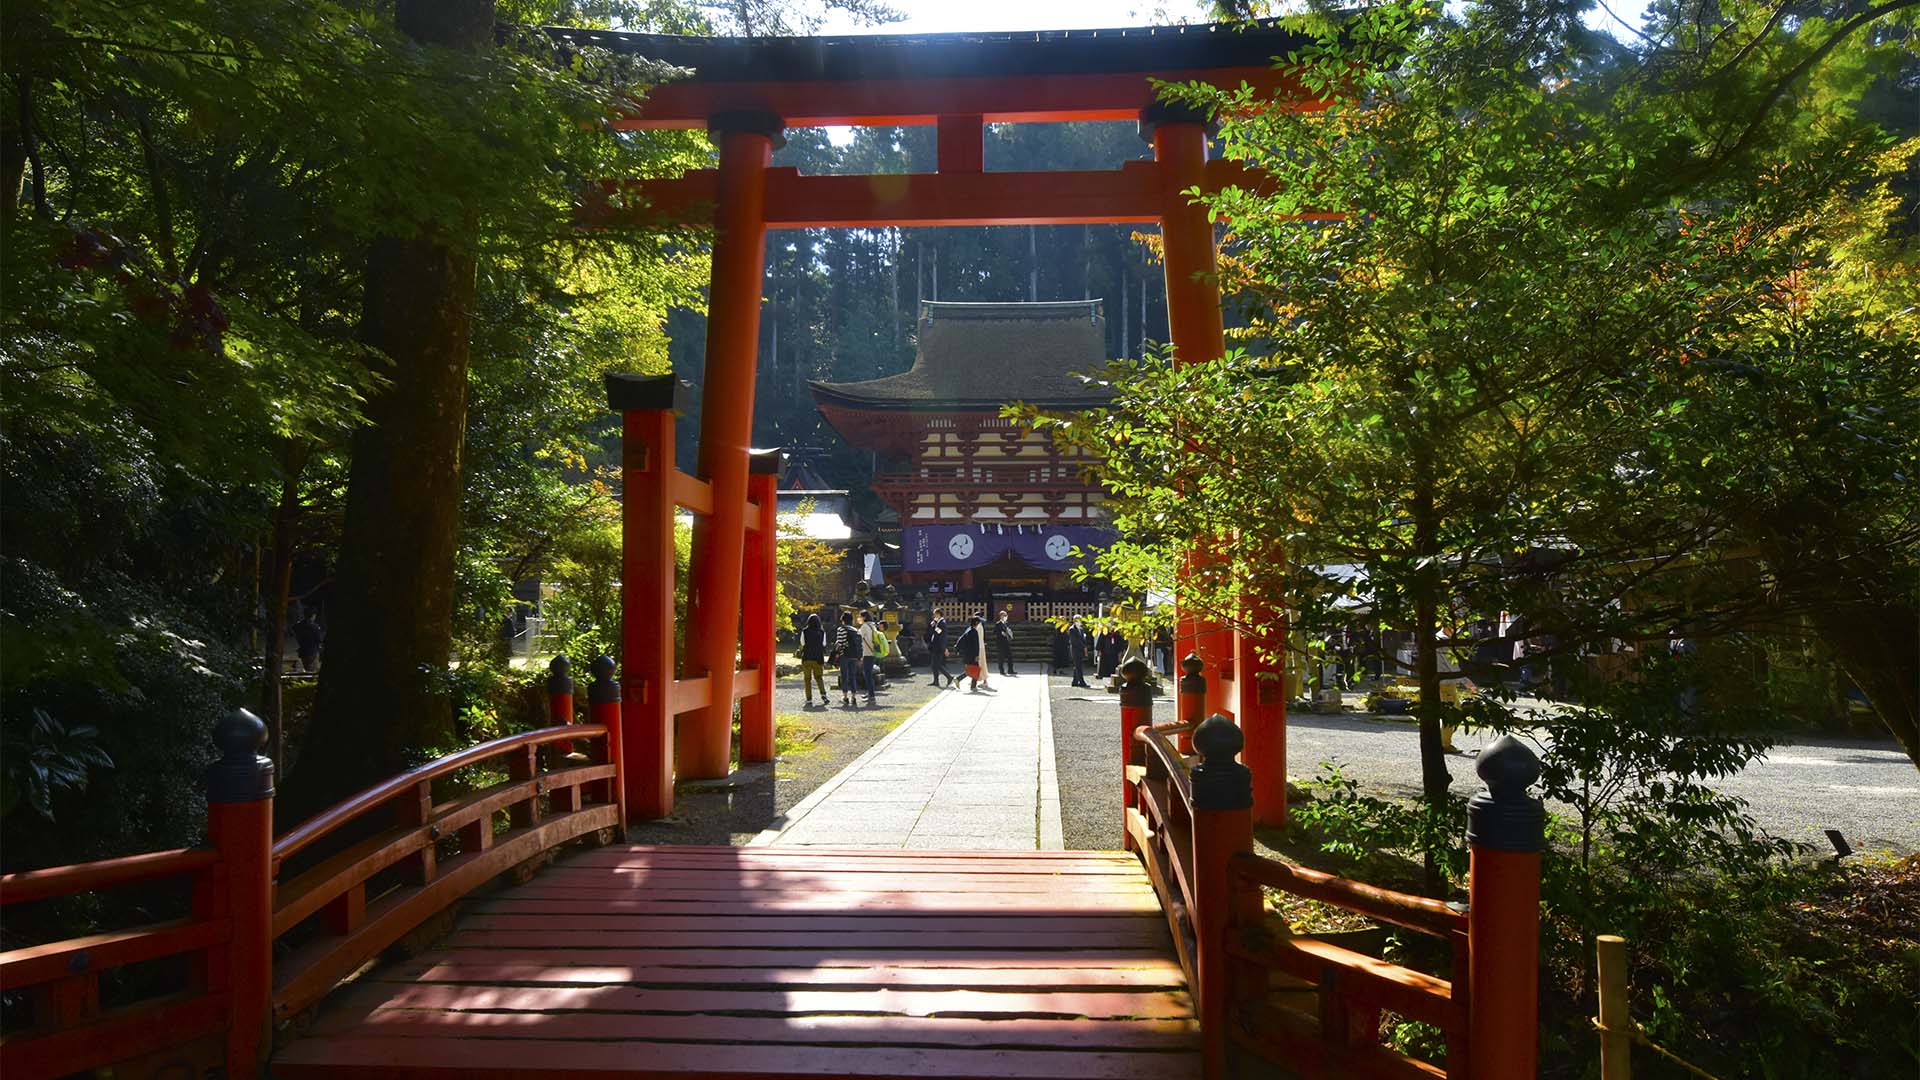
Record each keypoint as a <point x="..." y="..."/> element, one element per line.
<point x="966" y="771"/>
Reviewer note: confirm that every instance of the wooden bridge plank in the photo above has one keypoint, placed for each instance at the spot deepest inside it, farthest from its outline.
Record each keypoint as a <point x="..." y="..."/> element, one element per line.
<point x="540" y="1059"/>
<point x="1127" y="1004"/>
<point x="692" y="962"/>
<point x="837" y="863"/>
<point x="1177" y="1034"/>
<point x="669" y="956"/>
<point x="872" y="877"/>
<point x="639" y="915"/>
<point x="529" y="931"/>
<point x="612" y="966"/>
<point x="721" y="902"/>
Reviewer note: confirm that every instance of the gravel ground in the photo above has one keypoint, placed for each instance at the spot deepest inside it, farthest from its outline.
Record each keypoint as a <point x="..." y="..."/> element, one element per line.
<point x="814" y="745"/>
<point x="1086" y="753"/>
<point x="1865" y="788"/>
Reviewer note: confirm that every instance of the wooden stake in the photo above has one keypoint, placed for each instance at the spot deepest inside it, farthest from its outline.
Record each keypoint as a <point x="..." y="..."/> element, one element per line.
<point x="1616" y="1022"/>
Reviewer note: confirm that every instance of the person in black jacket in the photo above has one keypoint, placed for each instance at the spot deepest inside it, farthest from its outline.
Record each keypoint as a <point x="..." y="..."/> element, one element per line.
<point x="972" y="650"/>
<point x="937" y="650"/>
<point x="1079" y="644"/>
<point x="1003" y="642"/>
<point x="851" y="649"/>
<point x="307" y="637"/>
<point x="1110" y="646"/>
<point x="813" y="658"/>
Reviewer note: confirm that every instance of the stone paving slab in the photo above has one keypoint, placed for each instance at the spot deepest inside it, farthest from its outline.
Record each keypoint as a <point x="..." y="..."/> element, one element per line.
<point x="967" y="771"/>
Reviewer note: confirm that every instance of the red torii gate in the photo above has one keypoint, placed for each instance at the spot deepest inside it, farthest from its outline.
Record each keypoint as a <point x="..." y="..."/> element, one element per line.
<point x="746" y="92"/>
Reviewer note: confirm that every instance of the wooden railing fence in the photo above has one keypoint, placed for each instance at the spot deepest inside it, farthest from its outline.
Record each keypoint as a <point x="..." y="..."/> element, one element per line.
<point x="329" y="917"/>
<point x="1189" y="816"/>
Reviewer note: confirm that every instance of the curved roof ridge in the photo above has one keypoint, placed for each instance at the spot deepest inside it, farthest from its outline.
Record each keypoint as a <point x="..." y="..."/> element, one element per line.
<point x="985" y="354"/>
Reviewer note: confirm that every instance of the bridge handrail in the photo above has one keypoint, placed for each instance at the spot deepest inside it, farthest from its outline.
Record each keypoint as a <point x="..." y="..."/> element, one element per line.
<point x="27" y="886"/>
<point x="239" y="908"/>
<point x="70" y="1029"/>
<point x="1172" y="764"/>
<point x="308" y="832"/>
<point x="1418" y="913"/>
<point x="1199" y="853"/>
<point x="583" y="799"/>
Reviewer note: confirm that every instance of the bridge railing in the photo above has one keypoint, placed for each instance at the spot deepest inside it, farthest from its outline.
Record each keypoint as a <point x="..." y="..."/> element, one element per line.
<point x="1189" y="817"/>
<point x="411" y="856"/>
<point x="70" y="1031"/>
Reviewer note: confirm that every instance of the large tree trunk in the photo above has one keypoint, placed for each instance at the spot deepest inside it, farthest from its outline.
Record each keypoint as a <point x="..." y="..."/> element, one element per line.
<point x="13" y="161"/>
<point x="383" y="697"/>
<point x="1878" y="646"/>
<point x="1434" y="778"/>
<point x="286" y="523"/>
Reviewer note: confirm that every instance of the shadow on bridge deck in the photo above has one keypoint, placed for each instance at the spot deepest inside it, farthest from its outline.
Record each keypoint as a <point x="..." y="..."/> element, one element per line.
<point x="721" y="961"/>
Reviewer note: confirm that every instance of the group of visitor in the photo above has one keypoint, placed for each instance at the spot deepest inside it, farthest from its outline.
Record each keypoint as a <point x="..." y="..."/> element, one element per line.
<point x="860" y="641"/>
<point x="858" y="645"/>
<point x="971" y="650"/>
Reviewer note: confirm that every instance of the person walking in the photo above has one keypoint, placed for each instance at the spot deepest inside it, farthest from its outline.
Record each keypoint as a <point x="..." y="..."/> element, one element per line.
<point x="1163" y="651"/>
<point x="850" y="648"/>
<point x="813" y="658"/>
<point x="307" y="637"/>
<point x="1079" y="644"/>
<point x="1003" y="641"/>
<point x="937" y="650"/>
<point x="972" y="650"/>
<point x="870" y="660"/>
<point x="1109" y="647"/>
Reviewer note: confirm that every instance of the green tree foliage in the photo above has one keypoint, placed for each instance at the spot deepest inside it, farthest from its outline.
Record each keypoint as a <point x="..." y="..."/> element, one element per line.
<point x="1748" y="958"/>
<point x="193" y="190"/>
<point x="1485" y="383"/>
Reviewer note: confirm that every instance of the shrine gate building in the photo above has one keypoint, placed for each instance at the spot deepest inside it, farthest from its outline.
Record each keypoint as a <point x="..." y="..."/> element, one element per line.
<point x="987" y="514"/>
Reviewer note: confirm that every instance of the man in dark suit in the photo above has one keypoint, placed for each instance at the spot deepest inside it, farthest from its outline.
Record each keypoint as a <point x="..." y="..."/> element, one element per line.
<point x="937" y="650"/>
<point x="1003" y="641"/>
<point x="1079" y="644"/>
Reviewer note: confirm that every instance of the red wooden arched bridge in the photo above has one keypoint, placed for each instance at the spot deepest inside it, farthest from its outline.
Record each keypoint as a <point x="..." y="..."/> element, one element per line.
<point x="624" y="960"/>
<point x="537" y="943"/>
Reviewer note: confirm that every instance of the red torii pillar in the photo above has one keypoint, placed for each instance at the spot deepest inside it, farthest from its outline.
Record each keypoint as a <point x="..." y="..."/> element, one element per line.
<point x="726" y="425"/>
<point x="1194" y="322"/>
<point x="647" y="405"/>
<point x="758" y="586"/>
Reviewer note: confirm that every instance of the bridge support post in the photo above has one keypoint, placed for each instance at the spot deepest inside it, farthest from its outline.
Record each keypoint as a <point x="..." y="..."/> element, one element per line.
<point x="1222" y="829"/>
<point x="1262" y="690"/>
<point x="1506" y="832"/>
<point x="603" y="704"/>
<point x="646" y="405"/>
<point x="560" y="699"/>
<point x="1136" y="712"/>
<point x="757" y="585"/>
<point x="1193" y="698"/>
<point x="240" y="828"/>
<point x="726" y="428"/>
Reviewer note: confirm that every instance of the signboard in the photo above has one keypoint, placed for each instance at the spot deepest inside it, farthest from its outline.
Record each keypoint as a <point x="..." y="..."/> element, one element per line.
<point x="965" y="547"/>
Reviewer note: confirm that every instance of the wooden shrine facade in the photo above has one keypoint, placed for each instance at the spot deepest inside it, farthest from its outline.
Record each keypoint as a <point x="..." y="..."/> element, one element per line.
<point x="986" y="511"/>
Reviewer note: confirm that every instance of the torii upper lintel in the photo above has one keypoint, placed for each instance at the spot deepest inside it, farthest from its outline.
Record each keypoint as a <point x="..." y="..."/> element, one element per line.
<point x="889" y="79"/>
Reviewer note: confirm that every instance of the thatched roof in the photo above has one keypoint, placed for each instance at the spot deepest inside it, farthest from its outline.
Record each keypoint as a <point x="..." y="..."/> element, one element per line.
<point x="982" y="355"/>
